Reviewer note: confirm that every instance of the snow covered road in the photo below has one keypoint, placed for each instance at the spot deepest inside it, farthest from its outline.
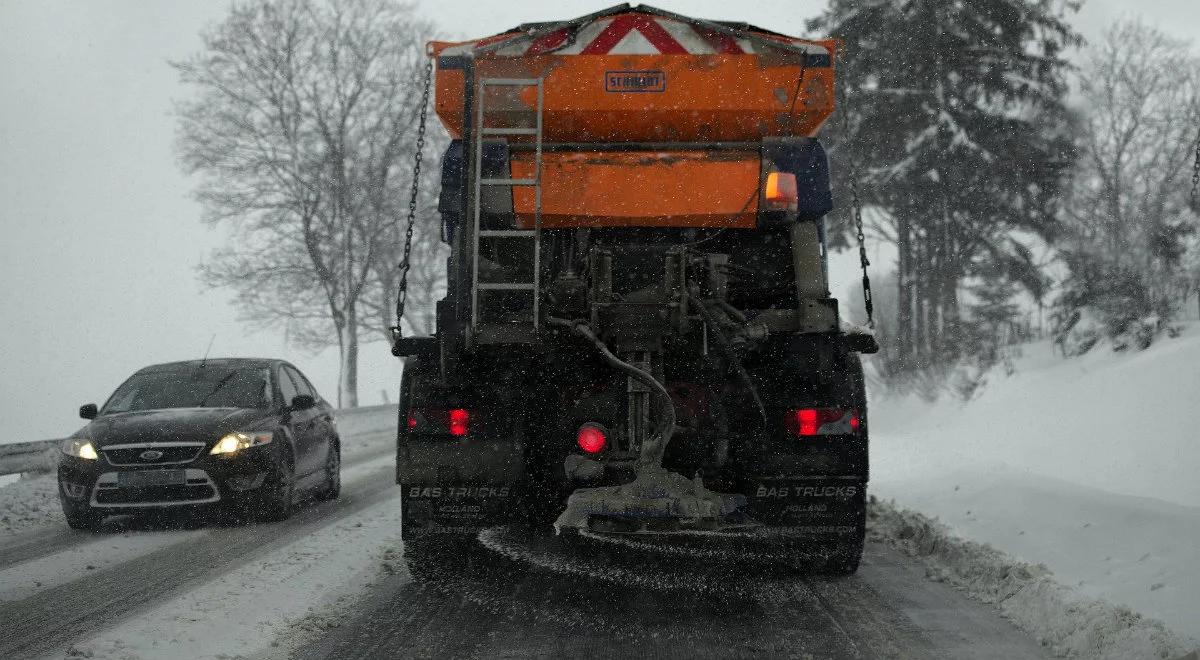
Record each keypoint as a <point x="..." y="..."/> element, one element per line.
<point x="330" y="583"/>
<point x="520" y="594"/>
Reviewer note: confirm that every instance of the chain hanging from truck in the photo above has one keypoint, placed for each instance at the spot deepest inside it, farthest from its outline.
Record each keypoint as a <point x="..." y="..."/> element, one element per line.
<point x="402" y="288"/>
<point x="856" y="210"/>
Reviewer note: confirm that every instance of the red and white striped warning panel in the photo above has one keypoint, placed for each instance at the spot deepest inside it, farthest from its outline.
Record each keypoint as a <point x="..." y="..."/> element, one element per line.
<point x="631" y="33"/>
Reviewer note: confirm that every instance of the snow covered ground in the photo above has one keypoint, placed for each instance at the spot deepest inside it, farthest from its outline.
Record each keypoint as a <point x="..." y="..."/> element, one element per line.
<point x="1089" y="466"/>
<point x="29" y="502"/>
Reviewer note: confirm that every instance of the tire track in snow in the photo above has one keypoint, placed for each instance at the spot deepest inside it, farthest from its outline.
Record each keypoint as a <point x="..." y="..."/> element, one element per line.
<point x="54" y="617"/>
<point x="521" y="594"/>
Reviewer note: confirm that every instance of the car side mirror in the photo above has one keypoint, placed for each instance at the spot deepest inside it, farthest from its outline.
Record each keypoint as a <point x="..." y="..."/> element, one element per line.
<point x="303" y="402"/>
<point x="88" y="411"/>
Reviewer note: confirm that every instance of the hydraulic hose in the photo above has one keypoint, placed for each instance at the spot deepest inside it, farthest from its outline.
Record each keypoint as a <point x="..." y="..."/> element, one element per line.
<point x="732" y="311"/>
<point x="723" y="343"/>
<point x="655" y="447"/>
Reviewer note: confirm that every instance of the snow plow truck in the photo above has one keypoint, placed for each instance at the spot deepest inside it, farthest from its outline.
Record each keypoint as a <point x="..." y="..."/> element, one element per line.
<point x="637" y="335"/>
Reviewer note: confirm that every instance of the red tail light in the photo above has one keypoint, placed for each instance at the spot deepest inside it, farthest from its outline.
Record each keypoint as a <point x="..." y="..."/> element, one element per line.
<point x="458" y="418"/>
<point x="591" y="438"/>
<point x="821" y="421"/>
<point x="455" y="421"/>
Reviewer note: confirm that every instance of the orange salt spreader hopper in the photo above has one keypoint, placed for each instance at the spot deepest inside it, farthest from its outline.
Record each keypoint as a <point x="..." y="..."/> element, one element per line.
<point x="649" y="118"/>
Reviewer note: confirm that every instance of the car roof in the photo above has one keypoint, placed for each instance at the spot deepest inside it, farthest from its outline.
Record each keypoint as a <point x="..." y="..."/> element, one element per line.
<point x="215" y="363"/>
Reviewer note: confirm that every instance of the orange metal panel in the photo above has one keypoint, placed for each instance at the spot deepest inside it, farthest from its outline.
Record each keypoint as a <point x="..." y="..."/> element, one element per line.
<point x="630" y="189"/>
<point x="448" y="100"/>
<point x="702" y="97"/>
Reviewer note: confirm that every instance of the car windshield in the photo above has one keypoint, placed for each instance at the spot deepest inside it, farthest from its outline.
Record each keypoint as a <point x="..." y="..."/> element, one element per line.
<point x="200" y="387"/>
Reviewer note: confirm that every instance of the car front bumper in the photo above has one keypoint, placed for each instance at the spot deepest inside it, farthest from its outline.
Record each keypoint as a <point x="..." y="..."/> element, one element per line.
<point x="204" y="481"/>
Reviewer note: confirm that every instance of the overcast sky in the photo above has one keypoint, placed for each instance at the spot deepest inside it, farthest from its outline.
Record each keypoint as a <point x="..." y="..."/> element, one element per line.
<point x="100" y="239"/>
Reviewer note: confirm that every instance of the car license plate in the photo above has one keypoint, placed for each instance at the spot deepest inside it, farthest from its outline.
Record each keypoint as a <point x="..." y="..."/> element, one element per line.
<point x="151" y="478"/>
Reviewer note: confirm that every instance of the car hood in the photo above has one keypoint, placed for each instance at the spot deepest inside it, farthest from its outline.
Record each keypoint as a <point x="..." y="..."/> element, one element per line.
<point x="172" y="425"/>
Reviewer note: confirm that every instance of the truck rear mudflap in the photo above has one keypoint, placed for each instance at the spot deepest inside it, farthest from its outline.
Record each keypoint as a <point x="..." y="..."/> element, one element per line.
<point x="808" y="507"/>
<point x="457" y="486"/>
<point x="454" y="508"/>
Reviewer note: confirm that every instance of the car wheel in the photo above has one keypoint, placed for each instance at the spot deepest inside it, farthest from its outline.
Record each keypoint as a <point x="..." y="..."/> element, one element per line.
<point x="280" y="492"/>
<point x="82" y="517"/>
<point x="333" y="474"/>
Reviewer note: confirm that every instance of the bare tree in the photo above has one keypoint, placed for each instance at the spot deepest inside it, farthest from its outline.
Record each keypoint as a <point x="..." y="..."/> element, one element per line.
<point x="1128" y="208"/>
<point x="427" y="261"/>
<point x="303" y="117"/>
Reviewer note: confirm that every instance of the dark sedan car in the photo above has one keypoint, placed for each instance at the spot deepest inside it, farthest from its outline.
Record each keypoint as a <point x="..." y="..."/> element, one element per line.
<point x="250" y="434"/>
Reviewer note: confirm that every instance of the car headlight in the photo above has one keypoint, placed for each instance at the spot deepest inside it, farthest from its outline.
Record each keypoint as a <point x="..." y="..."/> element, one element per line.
<point x="235" y="442"/>
<point x="79" y="448"/>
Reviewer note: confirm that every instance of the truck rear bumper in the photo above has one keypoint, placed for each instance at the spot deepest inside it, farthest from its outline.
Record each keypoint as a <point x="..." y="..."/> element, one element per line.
<point x="457" y="486"/>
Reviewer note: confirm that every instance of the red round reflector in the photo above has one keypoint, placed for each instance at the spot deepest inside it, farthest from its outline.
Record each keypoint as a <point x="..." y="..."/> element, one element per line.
<point x="591" y="439"/>
<point x="458" y="418"/>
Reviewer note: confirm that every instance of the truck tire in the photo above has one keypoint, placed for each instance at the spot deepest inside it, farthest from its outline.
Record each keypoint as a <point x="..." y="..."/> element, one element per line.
<point x="437" y="557"/>
<point x="844" y="559"/>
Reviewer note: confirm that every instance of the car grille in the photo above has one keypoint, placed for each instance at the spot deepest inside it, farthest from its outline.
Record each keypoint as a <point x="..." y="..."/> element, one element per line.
<point x="181" y="494"/>
<point x="197" y="487"/>
<point x="169" y="454"/>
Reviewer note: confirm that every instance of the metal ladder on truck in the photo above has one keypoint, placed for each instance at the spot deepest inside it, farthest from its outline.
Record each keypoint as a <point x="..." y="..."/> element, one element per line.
<point x="483" y="330"/>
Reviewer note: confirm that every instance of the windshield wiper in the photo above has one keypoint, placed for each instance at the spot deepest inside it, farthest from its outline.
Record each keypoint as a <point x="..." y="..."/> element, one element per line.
<point x="221" y="383"/>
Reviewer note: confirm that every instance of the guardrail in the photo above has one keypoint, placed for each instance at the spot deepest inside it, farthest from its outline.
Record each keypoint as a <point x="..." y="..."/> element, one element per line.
<point x="42" y="455"/>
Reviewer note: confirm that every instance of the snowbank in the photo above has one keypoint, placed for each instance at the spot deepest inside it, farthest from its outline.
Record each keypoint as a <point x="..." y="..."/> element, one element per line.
<point x="1088" y="466"/>
<point x="1059" y="618"/>
<point x="28" y="503"/>
<point x="1125" y="422"/>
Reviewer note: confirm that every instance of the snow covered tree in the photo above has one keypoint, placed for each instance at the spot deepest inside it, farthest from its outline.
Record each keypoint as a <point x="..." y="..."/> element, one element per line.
<point x="956" y="126"/>
<point x="301" y="131"/>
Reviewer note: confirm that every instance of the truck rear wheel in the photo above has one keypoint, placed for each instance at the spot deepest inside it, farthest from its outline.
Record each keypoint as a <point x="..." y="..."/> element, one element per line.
<point x="436" y="557"/>
<point x="844" y="559"/>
